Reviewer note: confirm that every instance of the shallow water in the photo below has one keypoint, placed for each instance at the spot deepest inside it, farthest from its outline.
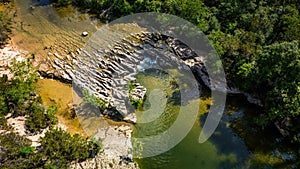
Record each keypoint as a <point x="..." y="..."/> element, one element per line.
<point x="56" y="93"/>
<point x="38" y="26"/>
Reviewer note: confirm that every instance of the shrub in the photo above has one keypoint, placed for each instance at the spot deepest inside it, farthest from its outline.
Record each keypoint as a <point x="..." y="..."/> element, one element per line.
<point x="60" y="148"/>
<point x="25" y="151"/>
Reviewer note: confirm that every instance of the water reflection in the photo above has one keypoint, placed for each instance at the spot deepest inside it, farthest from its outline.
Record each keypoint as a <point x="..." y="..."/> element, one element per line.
<point x="223" y="150"/>
<point x="40" y="2"/>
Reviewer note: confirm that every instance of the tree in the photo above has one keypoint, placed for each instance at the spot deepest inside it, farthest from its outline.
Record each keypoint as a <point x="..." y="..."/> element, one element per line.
<point x="11" y="144"/>
<point x="20" y="90"/>
<point x="278" y="70"/>
<point x="40" y="119"/>
<point x="288" y="26"/>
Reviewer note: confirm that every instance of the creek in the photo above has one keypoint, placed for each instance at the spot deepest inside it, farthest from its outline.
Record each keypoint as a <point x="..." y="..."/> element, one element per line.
<point x="234" y="144"/>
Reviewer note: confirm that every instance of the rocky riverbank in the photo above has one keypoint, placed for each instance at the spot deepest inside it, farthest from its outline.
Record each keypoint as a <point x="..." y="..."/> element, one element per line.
<point x="7" y="55"/>
<point x="100" y="69"/>
<point x="110" y="59"/>
<point x="116" y="140"/>
<point x="115" y="152"/>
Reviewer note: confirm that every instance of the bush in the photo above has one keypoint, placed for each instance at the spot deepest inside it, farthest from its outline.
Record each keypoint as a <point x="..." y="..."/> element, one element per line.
<point x="60" y="148"/>
<point x="93" y="100"/>
<point x="19" y="92"/>
<point x="40" y="120"/>
<point x="137" y="103"/>
<point x="25" y="151"/>
<point x="3" y="106"/>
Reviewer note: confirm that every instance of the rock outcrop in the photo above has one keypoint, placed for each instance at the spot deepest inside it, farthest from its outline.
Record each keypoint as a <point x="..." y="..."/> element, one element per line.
<point x="102" y="161"/>
<point x="115" y="153"/>
<point x="7" y="55"/>
<point x="105" y="72"/>
<point x="138" y="92"/>
<point x="107" y="63"/>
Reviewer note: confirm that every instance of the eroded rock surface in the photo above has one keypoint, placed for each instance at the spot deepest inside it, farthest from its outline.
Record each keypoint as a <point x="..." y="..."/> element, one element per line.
<point x="116" y="150"/>
<point x="105" y="70"/>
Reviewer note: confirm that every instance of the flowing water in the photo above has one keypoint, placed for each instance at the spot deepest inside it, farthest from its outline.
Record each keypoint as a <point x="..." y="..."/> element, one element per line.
<point x="42" y="26"/>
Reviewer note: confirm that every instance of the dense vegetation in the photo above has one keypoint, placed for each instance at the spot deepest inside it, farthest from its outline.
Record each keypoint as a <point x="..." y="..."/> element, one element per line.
<point x="258" y="41"/>
<point x="19" y="99"/>
<point x="58" y="148"/>
<point x="4" y="28"/>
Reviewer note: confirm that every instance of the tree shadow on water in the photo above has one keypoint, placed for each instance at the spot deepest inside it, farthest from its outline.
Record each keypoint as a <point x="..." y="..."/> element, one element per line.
<point x="228" y="143"/>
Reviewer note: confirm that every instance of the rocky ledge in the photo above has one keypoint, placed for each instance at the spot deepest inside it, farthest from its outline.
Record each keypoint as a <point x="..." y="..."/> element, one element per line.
<point x="105" y="72"/>
<point x="116" y="149"/>
<point x="105" y="66"/>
